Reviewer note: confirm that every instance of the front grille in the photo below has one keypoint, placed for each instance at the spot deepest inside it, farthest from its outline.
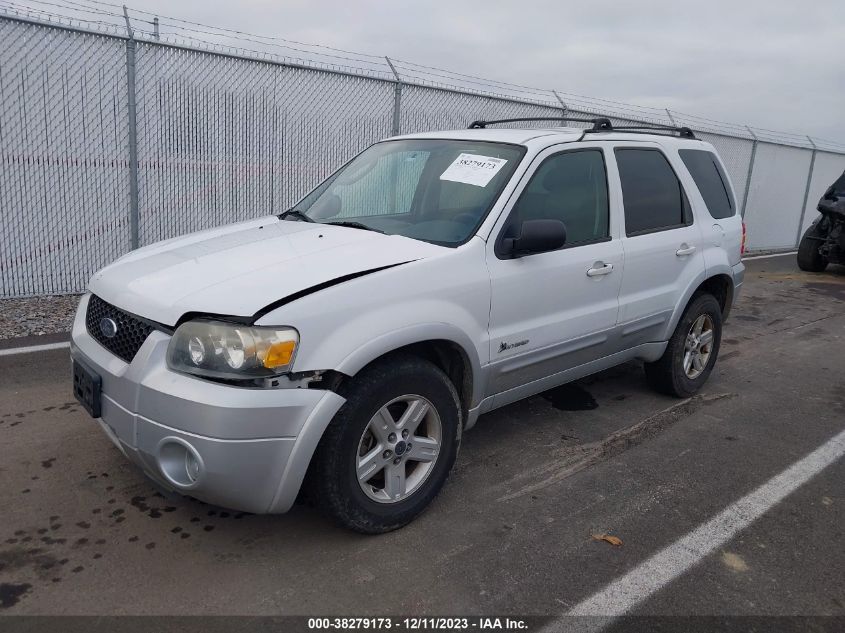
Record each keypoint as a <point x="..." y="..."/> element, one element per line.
<point x="129" y="335"/>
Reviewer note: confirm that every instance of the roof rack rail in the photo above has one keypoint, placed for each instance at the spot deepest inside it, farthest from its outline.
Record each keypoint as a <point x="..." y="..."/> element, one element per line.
<point x="683" y="132"/>
<point x="600" y="124"/>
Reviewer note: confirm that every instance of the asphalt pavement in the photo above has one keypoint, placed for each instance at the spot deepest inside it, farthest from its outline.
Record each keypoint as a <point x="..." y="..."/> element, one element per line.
<point x="82" y="532"/>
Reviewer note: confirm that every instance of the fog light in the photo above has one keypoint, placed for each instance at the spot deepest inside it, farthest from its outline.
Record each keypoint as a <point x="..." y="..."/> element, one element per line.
<point x="180" y="463"/>
<point x="192" y="466"/>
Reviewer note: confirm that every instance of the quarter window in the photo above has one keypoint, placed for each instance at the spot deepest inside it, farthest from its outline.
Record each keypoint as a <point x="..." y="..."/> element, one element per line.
<point x="570" y="187"/>
<point x="653" y="197"/>
<point x="710" y="180"/>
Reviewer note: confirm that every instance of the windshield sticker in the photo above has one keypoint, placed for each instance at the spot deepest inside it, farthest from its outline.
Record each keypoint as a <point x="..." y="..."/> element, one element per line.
<point x="472" y="169"/>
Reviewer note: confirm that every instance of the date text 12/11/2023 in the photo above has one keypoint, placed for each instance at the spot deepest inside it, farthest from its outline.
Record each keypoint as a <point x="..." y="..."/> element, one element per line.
<point x="419" y="623"/>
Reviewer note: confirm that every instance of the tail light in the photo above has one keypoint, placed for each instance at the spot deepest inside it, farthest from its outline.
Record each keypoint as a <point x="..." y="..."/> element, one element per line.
<point x="742" y="244"/>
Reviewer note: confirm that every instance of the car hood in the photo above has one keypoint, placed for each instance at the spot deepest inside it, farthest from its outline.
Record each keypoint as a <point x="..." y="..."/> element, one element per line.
<point x="240" y="269"/>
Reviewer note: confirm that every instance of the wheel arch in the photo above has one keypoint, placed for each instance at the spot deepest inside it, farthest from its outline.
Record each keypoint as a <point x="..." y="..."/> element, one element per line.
<point x="445" y="345"/>
<point x="719" y="284"/>
<point x="441" y="344"/>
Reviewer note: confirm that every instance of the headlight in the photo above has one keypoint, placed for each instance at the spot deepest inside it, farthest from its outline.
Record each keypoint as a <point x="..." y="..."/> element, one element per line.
<point x="227" y="350"/>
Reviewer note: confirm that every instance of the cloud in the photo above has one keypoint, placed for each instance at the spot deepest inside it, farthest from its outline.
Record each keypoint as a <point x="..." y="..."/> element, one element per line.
<point x="767" y="64"/>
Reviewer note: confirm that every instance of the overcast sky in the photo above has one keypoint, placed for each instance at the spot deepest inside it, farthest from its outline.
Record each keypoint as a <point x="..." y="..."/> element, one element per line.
<point x="773" y="64"/>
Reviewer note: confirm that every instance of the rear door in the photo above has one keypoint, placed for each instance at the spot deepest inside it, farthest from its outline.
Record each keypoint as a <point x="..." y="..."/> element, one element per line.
<point x="661" y="241"/>
<point x="721" y="225"/>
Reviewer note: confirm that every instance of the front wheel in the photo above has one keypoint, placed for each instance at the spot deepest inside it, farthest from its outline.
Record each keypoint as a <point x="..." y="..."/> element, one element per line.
<point x="388" y="451"/>
<point x="692" y="350"/>
<point x="809" y="258"/>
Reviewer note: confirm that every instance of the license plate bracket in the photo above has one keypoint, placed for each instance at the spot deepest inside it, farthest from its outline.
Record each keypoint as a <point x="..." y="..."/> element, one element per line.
<point x="87" y="386"/>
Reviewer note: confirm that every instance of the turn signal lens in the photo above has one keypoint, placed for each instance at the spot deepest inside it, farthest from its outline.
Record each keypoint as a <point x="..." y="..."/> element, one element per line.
<point x="279" y="354"/>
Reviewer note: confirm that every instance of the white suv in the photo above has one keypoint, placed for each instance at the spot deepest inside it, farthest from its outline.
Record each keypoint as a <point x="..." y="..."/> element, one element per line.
<point x="341" y="348"/>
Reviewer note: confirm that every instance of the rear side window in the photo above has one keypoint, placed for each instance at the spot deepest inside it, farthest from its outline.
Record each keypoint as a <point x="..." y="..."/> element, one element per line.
<point x="653" y="197"/>
<point x="710" y="180"/>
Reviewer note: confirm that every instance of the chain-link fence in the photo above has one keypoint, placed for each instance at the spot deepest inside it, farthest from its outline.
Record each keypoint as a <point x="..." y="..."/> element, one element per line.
<point x="112" y="140"/>
<point x="64" y="185"/>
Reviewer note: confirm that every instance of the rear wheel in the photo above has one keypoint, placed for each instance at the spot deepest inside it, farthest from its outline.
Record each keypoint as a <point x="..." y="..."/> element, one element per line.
<point x="390" y="448"/>
<point x="809" y="258"/>
<point x="692" y="350"/>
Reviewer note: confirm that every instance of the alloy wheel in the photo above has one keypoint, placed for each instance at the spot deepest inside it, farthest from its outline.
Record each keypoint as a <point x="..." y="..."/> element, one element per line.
<point x="398" y="449"/>
<point x="698" y="346"/>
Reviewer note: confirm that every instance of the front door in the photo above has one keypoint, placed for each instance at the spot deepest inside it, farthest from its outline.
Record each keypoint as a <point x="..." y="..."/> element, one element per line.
<point x="556" y="310"/>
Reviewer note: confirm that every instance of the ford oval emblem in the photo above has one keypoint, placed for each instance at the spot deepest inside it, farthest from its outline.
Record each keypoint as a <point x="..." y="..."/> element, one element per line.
<point x="108" y="327"/>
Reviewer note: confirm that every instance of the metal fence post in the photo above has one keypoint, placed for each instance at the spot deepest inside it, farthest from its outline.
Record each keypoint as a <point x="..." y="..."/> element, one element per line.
<point x="397" y="98"/>
<point x="132" y="133"/>
<point x="750" y="170"/>
<point x="806" y="192"/>
<point x="562" y="102"/>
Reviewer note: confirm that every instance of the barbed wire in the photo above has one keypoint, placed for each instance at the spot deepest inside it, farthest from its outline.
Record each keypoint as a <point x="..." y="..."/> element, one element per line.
<point x="235" y="32"/>
<point x="283" y="46"/>
<point x="206" y="30"/>
<point x="14" y="10"/>
<point x="69" y="4"/>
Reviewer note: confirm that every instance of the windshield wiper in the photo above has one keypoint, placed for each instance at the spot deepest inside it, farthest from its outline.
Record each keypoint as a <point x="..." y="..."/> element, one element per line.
<point x="295" y="213"/>
<point x="354" y="225"/>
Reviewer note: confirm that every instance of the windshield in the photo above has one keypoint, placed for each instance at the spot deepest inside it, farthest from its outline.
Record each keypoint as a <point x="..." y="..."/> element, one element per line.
<point x="433" y="190"/>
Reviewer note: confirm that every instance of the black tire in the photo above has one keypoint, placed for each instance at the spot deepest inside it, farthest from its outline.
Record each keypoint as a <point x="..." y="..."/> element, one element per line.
<point x="809" y="258"/>
<point x="667" y="374"/>
<point x="332" y="484"/>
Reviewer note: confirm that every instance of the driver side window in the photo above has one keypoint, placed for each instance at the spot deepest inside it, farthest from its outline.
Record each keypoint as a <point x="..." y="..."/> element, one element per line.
<point x="387" y="188"/>
<point x="570" y="187"/>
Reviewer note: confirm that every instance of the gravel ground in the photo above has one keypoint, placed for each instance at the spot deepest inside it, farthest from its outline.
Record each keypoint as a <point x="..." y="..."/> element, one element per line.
<point x="36" y="315"/>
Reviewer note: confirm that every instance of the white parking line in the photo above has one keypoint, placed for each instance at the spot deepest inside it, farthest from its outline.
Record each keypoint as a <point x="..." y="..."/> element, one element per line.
<point x="745" y="259"/>
<point x="626" y="592"/>
<point x="33" y="348"/>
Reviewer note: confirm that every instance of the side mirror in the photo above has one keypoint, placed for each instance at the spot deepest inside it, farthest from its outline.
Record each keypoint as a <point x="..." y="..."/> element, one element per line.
<point x="536" y="236"/>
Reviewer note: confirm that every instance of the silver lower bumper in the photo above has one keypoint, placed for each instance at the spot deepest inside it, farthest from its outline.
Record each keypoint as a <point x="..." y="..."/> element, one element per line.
<point x="249" y="448"/>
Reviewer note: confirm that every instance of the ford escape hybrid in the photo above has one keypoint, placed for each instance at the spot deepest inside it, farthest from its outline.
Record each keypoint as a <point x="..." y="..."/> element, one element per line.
<point x="340" y="349"/>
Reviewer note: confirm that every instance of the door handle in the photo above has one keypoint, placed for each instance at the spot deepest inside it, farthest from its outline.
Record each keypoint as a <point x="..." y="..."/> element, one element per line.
<point x="685" y="250"/>
<point x="600" y="269"/>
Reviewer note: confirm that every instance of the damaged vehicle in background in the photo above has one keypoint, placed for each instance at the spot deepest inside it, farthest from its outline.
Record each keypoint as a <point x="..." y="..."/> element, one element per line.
<point x="341" y="349"/>
<point x="824" y="241"/>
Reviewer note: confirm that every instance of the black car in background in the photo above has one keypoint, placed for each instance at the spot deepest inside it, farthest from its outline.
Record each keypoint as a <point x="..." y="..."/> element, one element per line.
<point x="824" y="241"/>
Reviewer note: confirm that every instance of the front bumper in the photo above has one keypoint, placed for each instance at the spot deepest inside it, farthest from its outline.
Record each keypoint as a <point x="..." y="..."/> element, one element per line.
<point x="251" y="447"/>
